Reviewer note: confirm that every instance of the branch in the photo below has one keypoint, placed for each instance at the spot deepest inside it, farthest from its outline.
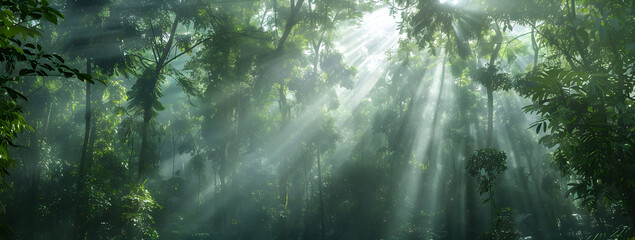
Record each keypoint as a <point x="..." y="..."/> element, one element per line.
<point x="186" y="50"/>
<point x="393" y="5"/>
<point x="142" y="57"/>
<point x="295" y="9"/>
<point x="246" y="35"/>
<point x="499" y="40"/>
<point x="514" y="39"/>
<point x="35" y="91"/>
<point x="153" y="43"/>
<point x="569" y="58"/>
<point x="166" y="51"/>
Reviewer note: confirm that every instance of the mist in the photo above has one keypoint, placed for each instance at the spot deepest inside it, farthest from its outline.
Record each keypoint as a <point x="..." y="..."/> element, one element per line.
<point x="317" y="119"/>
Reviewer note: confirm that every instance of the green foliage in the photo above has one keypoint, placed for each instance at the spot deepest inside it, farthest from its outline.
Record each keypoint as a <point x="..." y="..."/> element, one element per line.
<point x="144" y="95"/>
<point x="433" y="21"/>
<point x="11" y="124"/>
<point x="337" y="71"/>
<point x="485" y="165"/>
<point x="239" y="150"/>
<point x="15" y="15"/>
<point x="590" y="123"/>
<point x="583" y="95"/>
<point x="23" y="59"/>
<point x="503" y="228"/>
<point x="137" y="218"/>
<point x="492" y="78"/>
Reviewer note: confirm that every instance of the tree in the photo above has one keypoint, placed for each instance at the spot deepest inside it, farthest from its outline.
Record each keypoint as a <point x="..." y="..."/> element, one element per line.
<point x="585" y="99"/>
<point x="160" y="19"/>
<point x="102" y="52"/>
<point x="485" y="165"/>
<point x="23" y="59"/>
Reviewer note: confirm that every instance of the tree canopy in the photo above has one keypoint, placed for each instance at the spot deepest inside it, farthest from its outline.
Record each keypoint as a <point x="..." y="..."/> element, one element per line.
<point x="317" y="119"/>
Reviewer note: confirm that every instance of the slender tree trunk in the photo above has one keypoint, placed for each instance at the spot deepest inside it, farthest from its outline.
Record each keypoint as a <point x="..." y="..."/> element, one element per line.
<point x="490" y="115"/>
<point x="144" y="161"/>
<point x="490" y="90"/>
<point x="198" y="193"/>
<point x="96" y="95"/>
<point x="80" y="195"/>
<point x="282" y="183"/>
<point x="307" y="192"/>
<point x="535" y="47"/>
<point x="474" y="224"/>
<point x="91" y="143"/>
<point x="292" y="21"/>
<point x="173" y="151"/>
<point x="142" y="171"/>
<point x="323" y="226"/>
<point x="48" y="118"/>
<point x="131" y="171"/>
<point x="490" y="125"/>
<point x="33" y="189"/>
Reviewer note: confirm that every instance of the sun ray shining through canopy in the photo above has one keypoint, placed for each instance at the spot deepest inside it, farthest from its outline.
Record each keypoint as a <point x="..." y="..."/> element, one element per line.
<point x="317" y="119"/>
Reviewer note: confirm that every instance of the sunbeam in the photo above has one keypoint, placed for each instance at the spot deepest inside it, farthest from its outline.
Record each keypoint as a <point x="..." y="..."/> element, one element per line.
<point x="316" y="119"/>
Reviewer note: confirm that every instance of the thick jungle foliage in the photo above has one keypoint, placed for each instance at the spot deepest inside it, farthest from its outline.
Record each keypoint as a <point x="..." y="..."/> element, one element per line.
<point x="485" y="165"/>
<point x="286" y="120"/>
<point x="584" y="96"/>
<point x="23" y="59"/>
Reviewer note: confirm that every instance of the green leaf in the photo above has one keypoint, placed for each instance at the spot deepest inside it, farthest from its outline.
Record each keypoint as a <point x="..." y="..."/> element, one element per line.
<point x="15" y="94"/>
<point x="50" y="17"/>
<point x="26" y="72"/>
<point x="59" y="58"/>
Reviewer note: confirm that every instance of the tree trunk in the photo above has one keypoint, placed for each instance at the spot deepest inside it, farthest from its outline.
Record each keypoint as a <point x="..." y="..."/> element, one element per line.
<point x="131" y="171"/>
<point x="147" y="108"/>
<point x="96" y="95"/>
<point x="282" y="183"/>
<point x="143" y="155"/>
<point x="173" y="151"/>
<point x="323" y="226"/>
<point x="292" y="21"/>
<point x="490" y="115"/>
<point x="80" y="232"/>
<point x="535" y="47"/>
<point x="34" y="180"/>
<point x="490" y="90"/>
<point x="307" y="209"/>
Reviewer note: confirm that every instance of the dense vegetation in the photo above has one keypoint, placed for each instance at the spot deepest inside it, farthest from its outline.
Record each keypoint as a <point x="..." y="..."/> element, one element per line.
<point x="317" y="119"/>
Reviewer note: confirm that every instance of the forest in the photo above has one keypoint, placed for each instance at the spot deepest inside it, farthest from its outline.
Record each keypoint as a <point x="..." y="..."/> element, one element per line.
<point x="317" y="119"/>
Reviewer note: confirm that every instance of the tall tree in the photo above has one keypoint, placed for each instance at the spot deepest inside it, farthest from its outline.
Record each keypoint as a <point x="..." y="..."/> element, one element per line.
<point x="160" y="38"/>
<point x="16" y="49"/>
<point x="585" y="97"/>
<point x="86" y="40"/>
